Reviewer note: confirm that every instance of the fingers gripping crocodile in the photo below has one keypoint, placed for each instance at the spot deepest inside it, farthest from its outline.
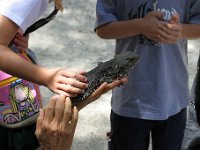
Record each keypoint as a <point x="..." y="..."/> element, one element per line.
<point x="116" y="68"/>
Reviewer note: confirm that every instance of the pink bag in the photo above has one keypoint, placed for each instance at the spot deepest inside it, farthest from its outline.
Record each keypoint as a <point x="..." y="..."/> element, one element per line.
<point x="20" y="100"/>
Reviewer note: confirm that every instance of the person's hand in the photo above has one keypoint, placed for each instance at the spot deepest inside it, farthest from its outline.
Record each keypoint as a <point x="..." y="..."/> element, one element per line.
<point x="151" y="25"/>
<point x="65" y="82"/>
<point x="158" y="30"/>
<point x="21" y="42"/>
<point x="104" y="88"/>
<point x="172" y="30"/>
<point x="56" y="124"/>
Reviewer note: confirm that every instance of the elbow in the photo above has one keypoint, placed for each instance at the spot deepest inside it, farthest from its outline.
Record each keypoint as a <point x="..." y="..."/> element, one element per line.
<point x="105" y="31"/>
<point x="103" y="34"/>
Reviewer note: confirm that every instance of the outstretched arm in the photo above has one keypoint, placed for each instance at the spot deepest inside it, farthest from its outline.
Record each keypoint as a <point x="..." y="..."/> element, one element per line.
<point x="60" y="81"/>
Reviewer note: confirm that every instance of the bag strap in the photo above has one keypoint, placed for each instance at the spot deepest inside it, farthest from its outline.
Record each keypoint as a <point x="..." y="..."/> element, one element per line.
<point x="8" y="80"/>
<point x="43" y="21"/>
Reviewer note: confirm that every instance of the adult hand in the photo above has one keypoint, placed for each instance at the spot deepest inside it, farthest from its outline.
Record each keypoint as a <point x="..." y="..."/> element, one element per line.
<point x="104" y="88"/>
<point x="65" y="82"/>
<point x="56" y="124"/>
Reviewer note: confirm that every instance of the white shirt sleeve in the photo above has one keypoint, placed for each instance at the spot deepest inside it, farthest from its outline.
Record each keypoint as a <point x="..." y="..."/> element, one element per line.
<point x="23" y="12"/>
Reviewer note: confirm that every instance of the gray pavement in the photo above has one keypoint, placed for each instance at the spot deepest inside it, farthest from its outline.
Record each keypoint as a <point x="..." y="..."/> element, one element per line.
<point x="69" y="42"/>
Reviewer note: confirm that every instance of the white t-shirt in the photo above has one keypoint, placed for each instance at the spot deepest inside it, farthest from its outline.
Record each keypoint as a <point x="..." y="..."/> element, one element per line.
<point x="23" y="12"/>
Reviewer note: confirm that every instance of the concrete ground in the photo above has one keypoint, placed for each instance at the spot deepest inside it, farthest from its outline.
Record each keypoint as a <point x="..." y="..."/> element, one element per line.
<point x="70" y="42"/>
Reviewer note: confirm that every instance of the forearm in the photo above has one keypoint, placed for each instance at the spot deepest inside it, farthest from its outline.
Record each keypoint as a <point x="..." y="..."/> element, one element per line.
<point x="13" y="64"/>
<point x="190" y="31"/>
<point x="119" y="29"/>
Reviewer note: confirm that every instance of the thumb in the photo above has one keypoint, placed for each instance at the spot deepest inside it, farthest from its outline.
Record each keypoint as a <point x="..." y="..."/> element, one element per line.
<point x="175" y="18"/>
<point x="157" y="14"/>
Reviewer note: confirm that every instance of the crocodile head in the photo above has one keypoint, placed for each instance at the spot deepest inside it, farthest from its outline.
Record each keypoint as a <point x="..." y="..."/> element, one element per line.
<point x="124" y="62"/>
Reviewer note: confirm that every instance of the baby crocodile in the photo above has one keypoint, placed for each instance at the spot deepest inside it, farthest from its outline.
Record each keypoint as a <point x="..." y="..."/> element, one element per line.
<point x="108" y="71"/>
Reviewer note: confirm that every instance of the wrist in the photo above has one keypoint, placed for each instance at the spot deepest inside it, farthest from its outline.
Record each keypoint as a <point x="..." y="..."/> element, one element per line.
<point x="138" y="24"/>
<point x="44" y="76"/>
<point x="183" y="33"/>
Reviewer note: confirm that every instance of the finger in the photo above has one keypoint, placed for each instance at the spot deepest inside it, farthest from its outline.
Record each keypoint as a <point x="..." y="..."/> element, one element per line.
<point x="98" y="92"/>
<point x="82" y="72"/>
<point x="116" y="83"/>
<point x="59" y="108"/>
<point x="50" y="109"/>
<point x="66" y="94"/>
<point x="112" y="85"/>
<point x="70" y="89"/>
<point x="39" y="122"/>
<point x="167" y="39"/>
<point x="107" y="87"/>
<point x="175" y="18"/>
<point x="174" y="27"/>
<point x="124" y="80"/>
<point x="74" y="119"/>
<point x="163" y="30"/>
<point x="157" y="14"/>
<point x="70" y="74"/>
<point x="166" y="35"/>
<point x="67" y="112"/>
<point x="73" y="82"/>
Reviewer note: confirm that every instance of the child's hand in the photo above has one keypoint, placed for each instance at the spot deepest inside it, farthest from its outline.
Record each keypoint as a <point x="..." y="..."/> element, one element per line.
<point x="21" y="42"/>
<point x="172" y="30"/>
<point x="160" y="31"/>
<point x="66" y="82"/>
<point x="151" y="24"/>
